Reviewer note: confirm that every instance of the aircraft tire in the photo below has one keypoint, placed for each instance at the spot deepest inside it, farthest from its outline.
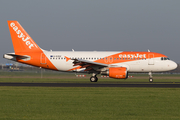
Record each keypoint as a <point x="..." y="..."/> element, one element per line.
<point x="150" y="80"/>
<point x="93" y="79"/>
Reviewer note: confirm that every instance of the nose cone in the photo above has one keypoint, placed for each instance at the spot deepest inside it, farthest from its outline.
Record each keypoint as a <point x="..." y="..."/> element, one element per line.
<point x="173" y="65"/>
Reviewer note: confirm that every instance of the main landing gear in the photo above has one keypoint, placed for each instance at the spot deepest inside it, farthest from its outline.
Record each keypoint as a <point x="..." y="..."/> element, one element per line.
<point x="93" y="78"/>
<point x="150" y="77"/>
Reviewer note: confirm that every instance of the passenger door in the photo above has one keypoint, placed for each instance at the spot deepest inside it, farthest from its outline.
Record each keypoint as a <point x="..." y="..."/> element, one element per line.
<point x="151" y="59"/>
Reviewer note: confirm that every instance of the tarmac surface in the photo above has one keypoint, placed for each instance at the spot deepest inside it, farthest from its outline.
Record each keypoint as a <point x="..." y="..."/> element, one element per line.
<point x="155" y="85"/>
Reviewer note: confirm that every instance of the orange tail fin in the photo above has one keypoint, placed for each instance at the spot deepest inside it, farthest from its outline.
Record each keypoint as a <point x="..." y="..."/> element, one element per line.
<point x="22" y="42"/>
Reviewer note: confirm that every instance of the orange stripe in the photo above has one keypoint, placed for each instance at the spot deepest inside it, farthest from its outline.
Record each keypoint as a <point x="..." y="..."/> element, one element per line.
<point x="128" y="56"/>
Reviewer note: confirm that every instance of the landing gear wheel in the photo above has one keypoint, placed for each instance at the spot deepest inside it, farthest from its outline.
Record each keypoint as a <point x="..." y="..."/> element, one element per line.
<point x="93" y="79"/>
<point x="150" y="80"/>
<point x="150" y="77"/>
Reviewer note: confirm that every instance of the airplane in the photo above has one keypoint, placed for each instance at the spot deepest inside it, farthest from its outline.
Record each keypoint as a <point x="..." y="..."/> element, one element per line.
<point x="115" y="64"/>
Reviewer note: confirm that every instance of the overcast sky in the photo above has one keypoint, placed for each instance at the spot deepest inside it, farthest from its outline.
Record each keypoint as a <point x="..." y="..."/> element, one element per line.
<point x="101" y="25"/>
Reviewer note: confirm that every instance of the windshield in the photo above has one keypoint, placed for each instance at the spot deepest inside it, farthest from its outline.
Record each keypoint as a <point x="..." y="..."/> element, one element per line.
<point x="164" y="58"/>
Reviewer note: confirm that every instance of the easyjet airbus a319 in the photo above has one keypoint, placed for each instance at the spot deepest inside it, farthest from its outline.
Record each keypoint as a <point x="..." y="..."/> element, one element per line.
<point x="114" y="64"/>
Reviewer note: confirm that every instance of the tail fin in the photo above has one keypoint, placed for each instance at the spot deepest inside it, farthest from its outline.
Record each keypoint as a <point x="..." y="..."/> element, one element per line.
<point x="22" y="42"/>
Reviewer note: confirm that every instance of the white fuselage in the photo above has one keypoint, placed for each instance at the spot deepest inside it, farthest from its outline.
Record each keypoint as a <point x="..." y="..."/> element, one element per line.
<point x="141" y="65"/>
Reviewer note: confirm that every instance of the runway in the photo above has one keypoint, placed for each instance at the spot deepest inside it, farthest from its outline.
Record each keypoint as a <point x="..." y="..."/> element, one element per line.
<point x="155" y="85"/>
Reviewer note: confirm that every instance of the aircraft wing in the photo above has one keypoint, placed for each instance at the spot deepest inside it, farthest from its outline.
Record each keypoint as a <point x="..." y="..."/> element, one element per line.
<point x="89" y="65"/>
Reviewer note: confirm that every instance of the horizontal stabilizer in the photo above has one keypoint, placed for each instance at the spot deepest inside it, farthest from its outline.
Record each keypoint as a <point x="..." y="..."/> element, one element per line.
<point x="14" y="57"/>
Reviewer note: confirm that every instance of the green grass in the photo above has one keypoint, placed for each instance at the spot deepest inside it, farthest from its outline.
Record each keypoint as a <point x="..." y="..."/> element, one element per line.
<point x="48" y="103"/>
<point x="56" y="77"/>
<point x="54" y="103"/>
<point x="86" y="80"/>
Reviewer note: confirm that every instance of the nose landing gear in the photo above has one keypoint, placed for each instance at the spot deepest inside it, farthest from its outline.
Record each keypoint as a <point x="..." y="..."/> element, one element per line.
<point x="150" y="77"/>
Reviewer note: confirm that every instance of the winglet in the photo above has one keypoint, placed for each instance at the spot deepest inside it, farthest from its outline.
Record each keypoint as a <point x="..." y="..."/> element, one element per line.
<point x="67" y="59"/>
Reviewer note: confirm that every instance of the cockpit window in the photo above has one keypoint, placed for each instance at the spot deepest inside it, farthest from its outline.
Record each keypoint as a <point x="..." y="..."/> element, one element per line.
<point x="164" y="58"/>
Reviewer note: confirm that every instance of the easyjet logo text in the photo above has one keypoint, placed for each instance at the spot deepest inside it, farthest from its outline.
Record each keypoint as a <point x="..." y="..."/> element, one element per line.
<point x="137" y="55"/>
<point x="22" y="36"/>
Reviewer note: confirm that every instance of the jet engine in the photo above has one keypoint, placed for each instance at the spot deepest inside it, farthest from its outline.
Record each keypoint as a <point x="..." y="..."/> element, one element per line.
<point x="116" y="72"/>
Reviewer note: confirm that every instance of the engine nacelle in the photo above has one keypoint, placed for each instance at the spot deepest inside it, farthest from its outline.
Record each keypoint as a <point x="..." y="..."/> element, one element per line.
<point x="117" y="72"/>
